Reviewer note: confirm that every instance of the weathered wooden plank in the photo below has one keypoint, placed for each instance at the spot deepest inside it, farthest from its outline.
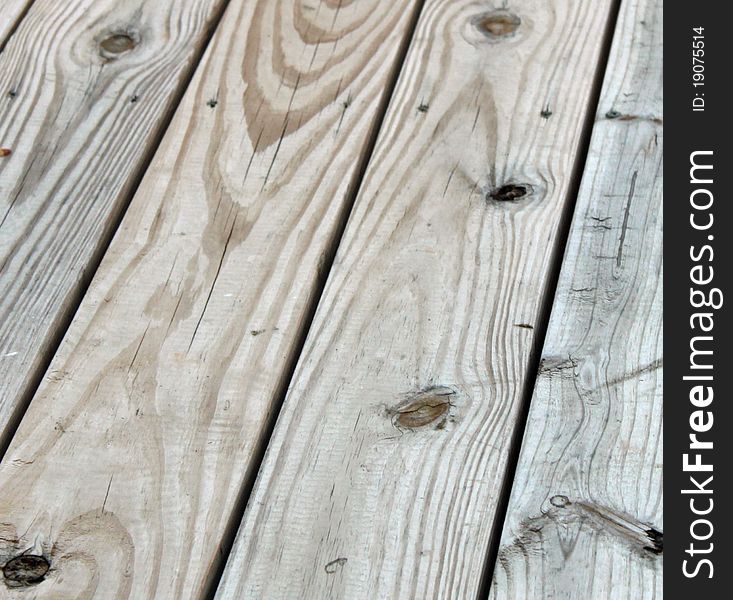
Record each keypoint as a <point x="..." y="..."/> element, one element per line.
<point x="12" y="12"/>
<point x="386" y="464"/>
<point x="585" y="514"/>
<point x="126" y="472"/>
<point x="86" y="87"/>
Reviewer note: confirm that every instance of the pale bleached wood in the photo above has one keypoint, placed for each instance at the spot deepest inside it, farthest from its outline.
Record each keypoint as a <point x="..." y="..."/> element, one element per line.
<point x="386" y="465"/>
<point x="11" y="11"/>
<point x="587" y="498"/>
<point x="85" y="89"/>
<point x="126" y="470"/>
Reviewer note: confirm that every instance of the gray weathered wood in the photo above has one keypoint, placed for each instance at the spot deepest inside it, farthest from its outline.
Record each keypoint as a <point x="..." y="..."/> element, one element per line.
<point x="10" y="13"/>
<point x="126" y="470"/>
<point x="384" y="472"/>
<point x="585" y="515"/>
<point x="85" y="88"/>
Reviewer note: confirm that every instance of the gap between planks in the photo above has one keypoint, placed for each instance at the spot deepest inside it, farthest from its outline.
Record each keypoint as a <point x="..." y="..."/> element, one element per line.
<point x="594" y="426"/>
<point x="240" y="506"/>
<point x="547" y="303"/>
<point x="14" y="11"/>
<point x="28" y="376"/>
<point x="78" y="419"/>
<point x="342" y="487"/>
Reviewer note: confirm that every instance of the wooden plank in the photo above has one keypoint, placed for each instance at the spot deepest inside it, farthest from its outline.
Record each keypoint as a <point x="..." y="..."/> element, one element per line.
<point x="127" y="470"/>
<point x="12" y="12"/>
<point x="585" y="515"/>
<point x="383" y="475"/>
<point x="86" y="88"/>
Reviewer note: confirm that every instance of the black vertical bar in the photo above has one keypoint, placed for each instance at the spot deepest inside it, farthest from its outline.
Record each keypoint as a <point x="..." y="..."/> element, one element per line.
<point x="697" y="406"/>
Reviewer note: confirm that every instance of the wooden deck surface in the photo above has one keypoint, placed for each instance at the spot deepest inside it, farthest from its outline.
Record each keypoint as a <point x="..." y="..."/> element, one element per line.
<point x="330" y="299"/>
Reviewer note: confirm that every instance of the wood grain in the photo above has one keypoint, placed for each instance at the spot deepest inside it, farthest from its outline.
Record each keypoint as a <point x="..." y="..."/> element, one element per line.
<point x="386" y="464"/>
<point x="12" y="12"/>
<point x="585" y="515"/>
<point x="85" y="89"/>
<point x="126" y="472"/>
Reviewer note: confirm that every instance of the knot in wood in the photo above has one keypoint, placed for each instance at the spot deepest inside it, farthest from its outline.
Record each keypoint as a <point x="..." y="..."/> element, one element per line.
<point x="428" y="407"/>
<point x="510" y="192"/>
<point x="498" y="24"/>
<point x="118" y="43"/>
<point x="26" y="569"/>
<point x="559" y="501"/>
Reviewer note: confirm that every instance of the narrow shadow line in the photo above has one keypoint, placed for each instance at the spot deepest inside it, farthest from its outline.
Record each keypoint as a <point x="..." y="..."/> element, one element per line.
<point x="230" y="532"/>
<point x="15" y="25"/>
<point x="547" y="303"/>
<point x="65" y="316"/>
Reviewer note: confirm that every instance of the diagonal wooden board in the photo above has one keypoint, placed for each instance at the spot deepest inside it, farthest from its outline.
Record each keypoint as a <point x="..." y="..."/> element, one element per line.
<point x="386" y="465"/>
<point x="127" y="470"/>
<point x="12" y="12"/>
<point x="86" y="88"/>
<point x="585" y="515"/>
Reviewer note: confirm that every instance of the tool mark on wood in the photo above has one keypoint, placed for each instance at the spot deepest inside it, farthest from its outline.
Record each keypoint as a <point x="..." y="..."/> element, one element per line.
<point x="625" y="224"/>
<point x="600" y="223"/>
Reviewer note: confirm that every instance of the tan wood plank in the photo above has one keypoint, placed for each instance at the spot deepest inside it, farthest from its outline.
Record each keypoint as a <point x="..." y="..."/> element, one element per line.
<point x="585" y="515"/>
<point x="12" y="11"/>
<point x="382" y="478"/>
<point x="126" y="471"/>
<point x="85" y="89"/>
